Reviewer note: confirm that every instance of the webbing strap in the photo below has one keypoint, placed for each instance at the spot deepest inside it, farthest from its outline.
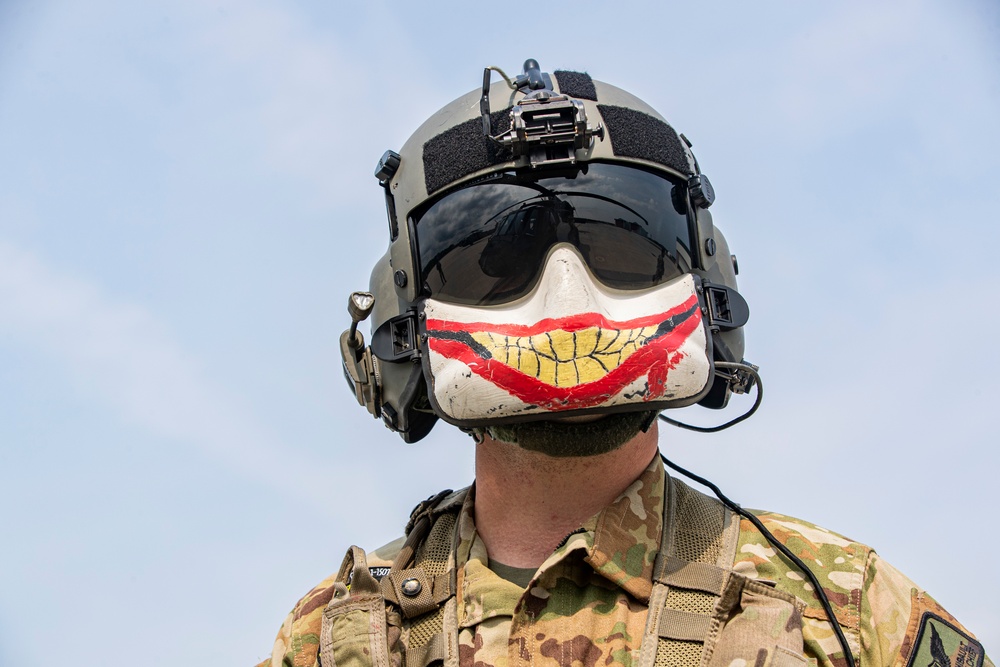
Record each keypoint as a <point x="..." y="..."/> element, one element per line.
<point x="435" y="649"/>
<point x="433" y="591"/>
<point x="442" y="587"/>
<point x="686" y="593"/>
<point x="684" y="625"/>
<point x="705" y="577"/>
<point x="354" y="573"/>
<point x="411" y="589"/>
<point x="430" y="623"/>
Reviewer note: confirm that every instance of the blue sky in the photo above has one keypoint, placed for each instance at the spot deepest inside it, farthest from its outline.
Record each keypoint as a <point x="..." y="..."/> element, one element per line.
<point x="186" y="200"/>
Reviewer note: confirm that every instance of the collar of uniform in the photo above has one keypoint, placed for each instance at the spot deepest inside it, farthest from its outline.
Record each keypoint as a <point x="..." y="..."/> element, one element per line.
<point x="483" y="593"/>
<point x="620" y="543"/>
<point x="627" y="534"/>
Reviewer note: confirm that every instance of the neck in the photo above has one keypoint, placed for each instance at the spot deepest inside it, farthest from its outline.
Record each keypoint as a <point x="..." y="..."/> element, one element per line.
<point x="527" y="502"/>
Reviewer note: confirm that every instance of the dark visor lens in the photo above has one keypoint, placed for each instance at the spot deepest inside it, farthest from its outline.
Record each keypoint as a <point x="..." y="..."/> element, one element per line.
<point x="485" y="244"/>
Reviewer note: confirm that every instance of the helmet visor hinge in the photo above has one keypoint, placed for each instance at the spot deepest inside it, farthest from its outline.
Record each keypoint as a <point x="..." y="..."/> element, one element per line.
<point x="396" y="339"/>
<point x="727" y="309"/>
<point x="701" y="191"/>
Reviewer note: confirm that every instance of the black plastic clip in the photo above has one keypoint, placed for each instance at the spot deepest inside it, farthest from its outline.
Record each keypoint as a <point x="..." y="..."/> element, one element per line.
<point x="484" y="103"/>
<point x="533" y="78"/>
<point x="743" y="379"/>
<point x="396" y="339"/>
<point x="702" y="192"/>
<point x="727" y="309"/>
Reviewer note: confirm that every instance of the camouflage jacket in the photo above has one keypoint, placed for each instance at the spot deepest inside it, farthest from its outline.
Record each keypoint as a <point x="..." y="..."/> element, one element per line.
<point x="593" y="599"/>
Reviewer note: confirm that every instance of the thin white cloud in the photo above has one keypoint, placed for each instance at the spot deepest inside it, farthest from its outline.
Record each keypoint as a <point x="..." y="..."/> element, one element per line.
<point x="122" y="355"/>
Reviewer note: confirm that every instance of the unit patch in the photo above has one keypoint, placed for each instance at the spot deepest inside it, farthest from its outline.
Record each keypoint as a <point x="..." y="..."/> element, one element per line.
<point x="941" y="644"/>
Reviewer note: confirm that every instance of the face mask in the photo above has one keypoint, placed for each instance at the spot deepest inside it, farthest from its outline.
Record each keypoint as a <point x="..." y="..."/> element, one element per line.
<point x="571" y="346"/>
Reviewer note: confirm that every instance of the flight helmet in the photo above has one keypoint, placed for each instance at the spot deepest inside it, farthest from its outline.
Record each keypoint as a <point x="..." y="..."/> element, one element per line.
<point x="551" y="254"/>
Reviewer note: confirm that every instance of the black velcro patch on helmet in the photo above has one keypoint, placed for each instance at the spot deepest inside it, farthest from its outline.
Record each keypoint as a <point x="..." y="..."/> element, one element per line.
<point x="576" y="84"/>
<point x="463" y="149"/>
<point x="639" y="135"/>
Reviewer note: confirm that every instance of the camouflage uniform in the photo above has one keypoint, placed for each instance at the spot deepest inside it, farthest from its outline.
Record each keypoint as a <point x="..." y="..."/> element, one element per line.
<point x="593" y="599"/>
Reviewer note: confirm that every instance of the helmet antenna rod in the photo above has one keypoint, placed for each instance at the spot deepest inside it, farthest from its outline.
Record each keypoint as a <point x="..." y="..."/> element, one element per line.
<point x="484" y="102"/>
<point x="531" y="78"/>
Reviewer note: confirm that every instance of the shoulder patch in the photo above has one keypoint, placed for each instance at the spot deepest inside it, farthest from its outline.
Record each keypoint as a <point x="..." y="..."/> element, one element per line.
<point x="941" y="644"/>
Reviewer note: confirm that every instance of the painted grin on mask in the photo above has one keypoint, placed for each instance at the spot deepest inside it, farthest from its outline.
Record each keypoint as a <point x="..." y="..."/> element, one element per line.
<point x="573" y="362"/>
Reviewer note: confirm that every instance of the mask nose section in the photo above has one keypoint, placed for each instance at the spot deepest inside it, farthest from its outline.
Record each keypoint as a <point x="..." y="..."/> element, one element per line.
<point x="566" y="285"/>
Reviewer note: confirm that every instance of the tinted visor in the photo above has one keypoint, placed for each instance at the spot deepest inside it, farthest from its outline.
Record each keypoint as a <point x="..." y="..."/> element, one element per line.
<point x="486" y="243"/>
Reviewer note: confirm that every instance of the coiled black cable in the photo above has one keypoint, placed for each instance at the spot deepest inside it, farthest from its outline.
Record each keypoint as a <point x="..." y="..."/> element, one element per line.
<point x="735" y="367"/>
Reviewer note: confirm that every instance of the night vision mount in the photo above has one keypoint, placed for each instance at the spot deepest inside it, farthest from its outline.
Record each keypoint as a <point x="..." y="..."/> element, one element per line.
<point x="546" y="127"/>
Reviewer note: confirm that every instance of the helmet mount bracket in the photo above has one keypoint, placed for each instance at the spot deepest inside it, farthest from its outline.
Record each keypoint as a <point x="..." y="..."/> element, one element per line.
<point x="359" y="368"/>
<point x="545" y="127"/>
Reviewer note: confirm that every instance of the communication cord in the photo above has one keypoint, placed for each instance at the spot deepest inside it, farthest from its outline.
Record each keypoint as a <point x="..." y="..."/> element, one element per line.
<point x="744" y="367"/>
<point x="817" y="588"/>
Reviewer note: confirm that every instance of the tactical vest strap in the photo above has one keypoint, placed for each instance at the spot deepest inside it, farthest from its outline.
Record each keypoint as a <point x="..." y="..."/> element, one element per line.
<point x="425" y="509"/>
<point x="355" y="574"/>
<point x="684" y="626"/>
<point x="421" y="520"/>
<point x="443" y="588"/>
<point x="702" y="614"/>
<point x="411" y="589"/>
<point x="697" y="547"/>
<point x="434" y="650"/>
<point x="415" y="592"/>
<point x="703" y="577"/>
<point x="430" y="627"/>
